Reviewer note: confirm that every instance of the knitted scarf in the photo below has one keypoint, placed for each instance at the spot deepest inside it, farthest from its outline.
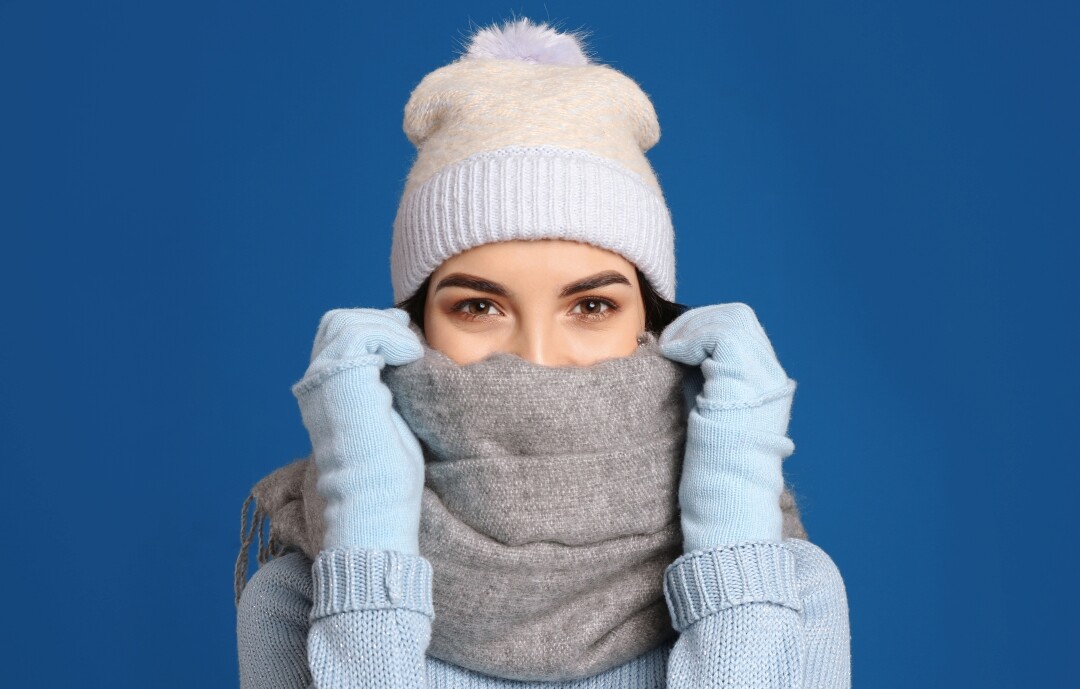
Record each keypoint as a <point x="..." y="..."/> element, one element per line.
<point x="549" y="512"/>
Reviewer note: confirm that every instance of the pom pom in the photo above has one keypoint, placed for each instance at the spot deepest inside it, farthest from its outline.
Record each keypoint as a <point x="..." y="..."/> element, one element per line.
<point x="528" y="42"/>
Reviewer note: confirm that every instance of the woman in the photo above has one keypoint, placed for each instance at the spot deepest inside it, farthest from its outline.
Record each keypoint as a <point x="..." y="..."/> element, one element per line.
<point x="538" y="470"/>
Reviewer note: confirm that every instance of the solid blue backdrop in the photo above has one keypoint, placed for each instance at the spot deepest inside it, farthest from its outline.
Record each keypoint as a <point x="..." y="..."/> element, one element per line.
<point x="186" y="188"/>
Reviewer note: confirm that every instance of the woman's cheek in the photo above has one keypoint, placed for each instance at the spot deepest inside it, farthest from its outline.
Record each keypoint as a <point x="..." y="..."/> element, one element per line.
<point x="606" y="343"/>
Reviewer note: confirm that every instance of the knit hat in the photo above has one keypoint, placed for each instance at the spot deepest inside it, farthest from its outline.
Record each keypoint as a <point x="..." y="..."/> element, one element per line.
<point x="524" y="137"/>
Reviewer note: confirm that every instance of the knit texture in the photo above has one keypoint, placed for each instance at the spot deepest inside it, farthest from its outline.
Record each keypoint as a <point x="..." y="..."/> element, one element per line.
<point x="737" y="429"/>
<point x="370" y="465"/>
<point x="393" y="591"/>
<point x="756" y="614"/>
<point x="534" y="192"/>
<point x="557" y="486"/>
<point x="524" y="138"/>
<point x="474" y="105"/>
<point x="564" y="502"/>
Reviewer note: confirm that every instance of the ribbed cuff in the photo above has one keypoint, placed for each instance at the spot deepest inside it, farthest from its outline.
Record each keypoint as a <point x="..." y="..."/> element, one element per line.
<point x="348" y="579"/>
<point x="702" y="583"/>
<point x="532" y="192"/>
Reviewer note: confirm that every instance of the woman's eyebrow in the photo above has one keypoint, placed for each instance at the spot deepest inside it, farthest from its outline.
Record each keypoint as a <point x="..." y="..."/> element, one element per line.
<point x="608" y="277"/>
<point x="472" y="282"/>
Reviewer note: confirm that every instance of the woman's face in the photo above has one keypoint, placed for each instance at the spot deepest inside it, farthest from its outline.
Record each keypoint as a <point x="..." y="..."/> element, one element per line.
<point x="551" y="301"/>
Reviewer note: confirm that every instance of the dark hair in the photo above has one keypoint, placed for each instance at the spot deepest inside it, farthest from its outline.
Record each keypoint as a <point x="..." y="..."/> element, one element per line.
<point x="659" y="312"/>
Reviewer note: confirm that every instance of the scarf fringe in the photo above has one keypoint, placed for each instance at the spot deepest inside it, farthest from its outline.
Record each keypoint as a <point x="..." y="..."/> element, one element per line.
<point x="270" y="546"/>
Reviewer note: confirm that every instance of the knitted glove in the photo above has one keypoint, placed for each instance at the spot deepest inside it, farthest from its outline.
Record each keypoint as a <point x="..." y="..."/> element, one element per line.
<point x="737" y="430"/>
<point x="371" y="466"/>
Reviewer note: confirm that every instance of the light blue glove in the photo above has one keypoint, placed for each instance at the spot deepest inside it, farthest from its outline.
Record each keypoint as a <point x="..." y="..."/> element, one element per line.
<point x="371" y="466"/>
<point x="737" y="430"/>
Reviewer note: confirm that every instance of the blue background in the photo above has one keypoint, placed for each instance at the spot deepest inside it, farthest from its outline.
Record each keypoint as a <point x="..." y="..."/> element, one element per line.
<point x="187" y="187"/>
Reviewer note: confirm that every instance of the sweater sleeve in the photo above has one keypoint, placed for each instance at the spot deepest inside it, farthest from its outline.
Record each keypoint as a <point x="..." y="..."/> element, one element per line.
<point x="353" y="618"/>
<point x="272" y="625"/>
<point x="758" y="614"/>
<point x="370" y="619"/>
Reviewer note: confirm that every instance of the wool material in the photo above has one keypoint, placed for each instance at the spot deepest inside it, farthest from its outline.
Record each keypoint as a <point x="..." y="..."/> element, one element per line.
<point x="524" y="137"/>
<point x="557" y="487"/>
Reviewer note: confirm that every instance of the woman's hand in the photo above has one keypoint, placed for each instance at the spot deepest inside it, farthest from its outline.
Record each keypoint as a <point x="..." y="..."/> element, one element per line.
<point x="371" y="466"/>
<point x="737" y="430"/>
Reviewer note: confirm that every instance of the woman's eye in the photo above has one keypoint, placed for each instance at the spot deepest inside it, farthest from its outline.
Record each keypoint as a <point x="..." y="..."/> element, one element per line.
<point x="593" y="309"/>
<point x="476" y="308"/>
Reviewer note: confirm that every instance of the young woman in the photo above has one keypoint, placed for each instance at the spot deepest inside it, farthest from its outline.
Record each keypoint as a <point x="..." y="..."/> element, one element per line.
<point x="538" y="470"/>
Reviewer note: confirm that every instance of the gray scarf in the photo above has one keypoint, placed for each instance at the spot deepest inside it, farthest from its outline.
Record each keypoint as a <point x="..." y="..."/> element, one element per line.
<point x="549" y="513"/>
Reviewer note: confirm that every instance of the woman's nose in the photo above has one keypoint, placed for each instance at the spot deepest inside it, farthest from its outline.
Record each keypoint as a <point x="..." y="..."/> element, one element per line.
<point x="542" y="345"/>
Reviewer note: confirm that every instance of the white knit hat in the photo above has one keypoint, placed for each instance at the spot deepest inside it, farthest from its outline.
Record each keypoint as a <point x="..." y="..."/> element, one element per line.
<point x="523" y="137"/>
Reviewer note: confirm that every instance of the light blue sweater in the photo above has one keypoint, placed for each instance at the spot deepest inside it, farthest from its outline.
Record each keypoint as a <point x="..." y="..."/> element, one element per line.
<point x="753" y="614"/>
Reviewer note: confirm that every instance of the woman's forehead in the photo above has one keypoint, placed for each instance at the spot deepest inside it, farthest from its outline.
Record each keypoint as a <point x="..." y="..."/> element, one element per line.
<point x="535" y="260"/>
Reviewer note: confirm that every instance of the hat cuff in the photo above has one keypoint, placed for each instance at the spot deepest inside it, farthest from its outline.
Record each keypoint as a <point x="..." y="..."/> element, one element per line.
<point x="532" y="192"/>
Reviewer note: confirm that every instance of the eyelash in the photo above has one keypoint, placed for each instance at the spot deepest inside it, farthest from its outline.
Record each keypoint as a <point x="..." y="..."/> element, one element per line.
<point x="612" y="307"/>
<point x="459" y="309"/>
